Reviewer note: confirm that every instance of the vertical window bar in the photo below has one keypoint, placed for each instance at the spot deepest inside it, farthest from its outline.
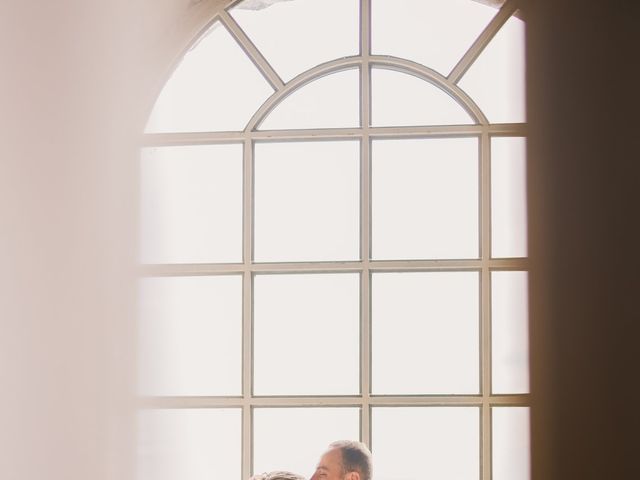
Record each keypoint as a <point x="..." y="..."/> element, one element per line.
<point x="247" y="205"/>
<point x="485" y="306"/>
<point x="247" y="441"/>
<point x="365" y="70"/>
<point x="365" y="222"/>
<point x="247" y="309"/>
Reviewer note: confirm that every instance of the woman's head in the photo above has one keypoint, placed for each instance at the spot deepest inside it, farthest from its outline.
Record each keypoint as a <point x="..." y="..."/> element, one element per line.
<point x="278" y="475"/>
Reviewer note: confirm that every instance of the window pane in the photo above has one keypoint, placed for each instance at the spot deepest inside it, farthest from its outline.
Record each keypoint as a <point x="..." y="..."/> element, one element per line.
<point x="216" y="87"/>
<point x="306" y="334"/>
<point x="496" y="79"/>
<point x="425" y="325"/>
<point x="415" y="443"/>
<point x="191" y="204"/>
<point x="332" y="101"/>
<point x="190" y="335"/>
<point x="425" y="198"/>
<point x="511" y="446"/>
<point x="400" y="99"/>
<point x="296" y="218"/>
<point x="509" y="332"/>
<point x="508" y="197"/>
<point x="189" y="444"/>
<point x="273" y="24"/>
<point x="436" y="33"/>
<point x="293" y="439"/>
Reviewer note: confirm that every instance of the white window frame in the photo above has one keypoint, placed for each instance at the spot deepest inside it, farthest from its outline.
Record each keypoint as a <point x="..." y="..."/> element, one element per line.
<point x="365" y="134"/>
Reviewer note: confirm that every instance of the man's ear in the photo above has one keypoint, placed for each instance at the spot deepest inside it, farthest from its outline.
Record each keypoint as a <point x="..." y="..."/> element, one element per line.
<point x="353" y="476"/>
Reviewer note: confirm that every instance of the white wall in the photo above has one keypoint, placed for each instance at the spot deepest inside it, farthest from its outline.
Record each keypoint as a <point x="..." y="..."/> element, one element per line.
<point x="72" y="100"/>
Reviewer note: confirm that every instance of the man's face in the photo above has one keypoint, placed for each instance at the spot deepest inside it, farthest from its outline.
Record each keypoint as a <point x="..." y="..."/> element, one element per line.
<point x="330" y="466"/>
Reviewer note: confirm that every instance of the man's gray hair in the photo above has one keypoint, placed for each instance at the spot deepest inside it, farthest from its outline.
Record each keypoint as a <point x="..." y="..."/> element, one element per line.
<point x="356" y="457"/>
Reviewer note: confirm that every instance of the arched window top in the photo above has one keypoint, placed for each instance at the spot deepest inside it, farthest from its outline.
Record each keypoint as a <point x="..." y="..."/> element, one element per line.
<point x="434" y="33"/>
<point x="296" y="35"/>
<point x="215" y="87"/>
<point x="403" y="99"/>
<point x="330" y="101"/>
<point x="245" y="71"/>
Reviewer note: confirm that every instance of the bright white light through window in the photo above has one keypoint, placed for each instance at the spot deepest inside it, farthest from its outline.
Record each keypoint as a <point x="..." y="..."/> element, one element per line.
<point x="215" y="87"/>
<point x="426" y="442"/>
<point x="333" y="243"/>
<point x="508" y="197"/>
<point x="328" y="102"/>
<point x="401" y="99"/>
<point x="190" y="444"/>
<point x="292" y="35"/>
<point x="191" y="204"/>
<point x="496" y="79"/>
<point x="190" y="335"/>
<point x="305" y="329"/>
<point x="425" y="198"/>
<point x="435" y="317"/>
<point x="295" y="219"/>
<point x="435" y="33"/>
<point x="509" y="330"/>
<point x="511" y="459"/>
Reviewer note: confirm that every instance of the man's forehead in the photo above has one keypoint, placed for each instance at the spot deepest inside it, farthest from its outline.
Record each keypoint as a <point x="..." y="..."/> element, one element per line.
<point x="330" y="456"/>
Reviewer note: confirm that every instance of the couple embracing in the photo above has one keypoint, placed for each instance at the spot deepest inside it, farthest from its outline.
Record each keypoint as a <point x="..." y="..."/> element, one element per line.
<point x="343" y="460"/>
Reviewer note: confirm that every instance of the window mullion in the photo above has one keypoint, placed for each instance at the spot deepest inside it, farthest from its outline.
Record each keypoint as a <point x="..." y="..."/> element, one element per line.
<point x="365" y="222"/>
<point x="483" y="40"/>
<point x="247" y="310"/>
<point x="485" y="299"/>
<point x="247" y="45"/>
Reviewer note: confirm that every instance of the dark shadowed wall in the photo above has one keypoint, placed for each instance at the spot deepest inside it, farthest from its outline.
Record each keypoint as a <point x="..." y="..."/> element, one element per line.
<point x="584" y="204"/>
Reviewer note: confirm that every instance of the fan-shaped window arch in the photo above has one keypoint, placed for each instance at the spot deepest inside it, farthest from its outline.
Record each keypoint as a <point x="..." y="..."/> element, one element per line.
<point x="359" y="223"/>
<point x="323" y="98"/>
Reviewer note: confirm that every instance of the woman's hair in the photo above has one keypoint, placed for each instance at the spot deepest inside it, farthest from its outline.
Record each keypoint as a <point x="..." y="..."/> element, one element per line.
<point x="278" y="475"/>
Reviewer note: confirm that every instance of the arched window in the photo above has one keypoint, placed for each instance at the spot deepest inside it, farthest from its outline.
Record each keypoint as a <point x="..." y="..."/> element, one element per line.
<point x="334" y="243"/>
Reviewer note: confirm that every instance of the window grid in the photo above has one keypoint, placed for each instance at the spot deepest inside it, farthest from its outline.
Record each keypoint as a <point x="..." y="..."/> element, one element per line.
<point x="366" y="266"/>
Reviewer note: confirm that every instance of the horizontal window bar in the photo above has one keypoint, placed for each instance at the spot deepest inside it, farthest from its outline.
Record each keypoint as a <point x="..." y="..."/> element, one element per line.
<point x="341" y="401"/>
<point x="203" y="138"/>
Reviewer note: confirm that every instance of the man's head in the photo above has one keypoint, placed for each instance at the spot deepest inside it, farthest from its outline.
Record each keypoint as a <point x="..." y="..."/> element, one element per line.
<point x="344" y="460"/>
